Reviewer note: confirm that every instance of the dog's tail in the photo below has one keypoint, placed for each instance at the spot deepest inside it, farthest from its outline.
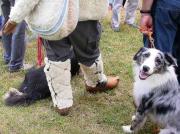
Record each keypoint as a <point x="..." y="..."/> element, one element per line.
<point x="15" y="97"/>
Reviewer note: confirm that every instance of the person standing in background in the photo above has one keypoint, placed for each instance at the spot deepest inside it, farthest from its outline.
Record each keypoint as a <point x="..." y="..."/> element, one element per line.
<point x="13" y="44"/>
<point x="162" y="17"/>
<point x="0" y="20"/>
<point x="131" y="6"/>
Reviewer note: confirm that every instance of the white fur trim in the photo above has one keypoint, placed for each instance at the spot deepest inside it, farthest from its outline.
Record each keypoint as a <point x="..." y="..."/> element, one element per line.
<point x="43" y="19"/>
<point x="126" y="129"/>
<point x="58" y="78"/>
<point x="93" y="9"/>
<point x="43" y="15"/>
<point x="7" y="95"/>
<point x="94" y="73"/>
<point x="133" y="117"/>
<point x="22" y="9"/>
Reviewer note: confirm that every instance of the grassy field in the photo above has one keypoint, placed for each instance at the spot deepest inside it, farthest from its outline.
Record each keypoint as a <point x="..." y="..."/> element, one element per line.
<point x="91" y="114"/>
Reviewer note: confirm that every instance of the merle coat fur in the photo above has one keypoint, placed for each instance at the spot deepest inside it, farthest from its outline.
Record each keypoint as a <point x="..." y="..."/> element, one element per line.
<point x="156" y="92"/>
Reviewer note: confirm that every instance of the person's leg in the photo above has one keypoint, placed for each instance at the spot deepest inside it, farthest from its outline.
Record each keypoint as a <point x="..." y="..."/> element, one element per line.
<point x="17" y="48"/>
<point x="115" y="21"/>
<point x="5" y="8"/>
<point x="57" y="70"/>
<point x="6" y="38"/>
<point x="176" y="51"/>
<point x="176" y="46"/>
<point x="85" y="41"/>
<point x="131" y="11"/>
<point x="165" y="28"/>
<point x="16" y="43"/>
<point x="0" y="22"/>
<point x="124" y="2"/>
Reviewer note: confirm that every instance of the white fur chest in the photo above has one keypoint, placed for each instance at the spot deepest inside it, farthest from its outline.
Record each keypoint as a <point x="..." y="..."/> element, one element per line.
<point x="143" y="87"/>
<point x="139" y="90"/>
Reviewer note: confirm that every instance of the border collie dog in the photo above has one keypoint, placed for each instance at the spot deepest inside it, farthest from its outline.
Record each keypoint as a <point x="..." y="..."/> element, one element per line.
<point x="156" y="92"/>
<point x="34" y="87"/>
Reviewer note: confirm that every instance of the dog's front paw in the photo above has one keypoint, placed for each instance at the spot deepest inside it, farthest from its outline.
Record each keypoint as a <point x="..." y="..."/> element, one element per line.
<point x="127" y="129"/>
<point x="133" y="117"/>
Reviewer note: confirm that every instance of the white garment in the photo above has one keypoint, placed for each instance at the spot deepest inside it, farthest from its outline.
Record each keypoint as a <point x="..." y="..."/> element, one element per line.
<point x="58" y="77"/>
<point x="131" y="6"/>
<point x="51" y="19"/>
<point x="56" y="19"/>
<point x="92" y="9"/>
<point x="95" y="73"/>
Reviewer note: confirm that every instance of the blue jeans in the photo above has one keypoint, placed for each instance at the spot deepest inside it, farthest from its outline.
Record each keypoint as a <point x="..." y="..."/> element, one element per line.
<point x="1" y="21"/>
<point x="166" y="16"/>
<point x="13" y="44"/>
<point x="14" y="47"/>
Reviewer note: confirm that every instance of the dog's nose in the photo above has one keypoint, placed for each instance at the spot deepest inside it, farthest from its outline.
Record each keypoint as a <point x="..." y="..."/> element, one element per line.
<point x="146" y="68"/>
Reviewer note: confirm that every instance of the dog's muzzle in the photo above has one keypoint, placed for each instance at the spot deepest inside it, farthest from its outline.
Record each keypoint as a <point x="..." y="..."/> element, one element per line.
<point x="143" y="75"/>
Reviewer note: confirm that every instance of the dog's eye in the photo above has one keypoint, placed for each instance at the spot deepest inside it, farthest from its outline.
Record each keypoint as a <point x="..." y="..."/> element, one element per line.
<point x="158" y="61"/>
<point x="146" y="55"/>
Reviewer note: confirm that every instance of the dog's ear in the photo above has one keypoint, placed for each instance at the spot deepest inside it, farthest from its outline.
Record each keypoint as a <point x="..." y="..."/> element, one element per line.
<point x="138" y="54"/>
<point x="170" y="60"/>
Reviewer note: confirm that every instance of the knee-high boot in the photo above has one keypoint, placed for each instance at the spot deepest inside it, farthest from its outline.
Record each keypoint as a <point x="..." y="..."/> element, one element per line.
<point x="58" y="78"/>
<point x="95" y="79"/>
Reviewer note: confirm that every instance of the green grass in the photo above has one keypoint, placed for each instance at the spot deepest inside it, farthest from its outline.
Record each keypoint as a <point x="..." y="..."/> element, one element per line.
<point x="91" y="114"/>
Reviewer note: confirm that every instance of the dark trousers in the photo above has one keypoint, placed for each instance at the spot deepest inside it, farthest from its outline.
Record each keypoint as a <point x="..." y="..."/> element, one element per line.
<point x="13" y="44"/>
<point x="176" y="51"/>
<point x="84" y="40"/>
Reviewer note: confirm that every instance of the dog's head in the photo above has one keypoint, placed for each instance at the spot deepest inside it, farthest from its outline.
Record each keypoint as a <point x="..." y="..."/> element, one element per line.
<point x="151" y="61"/>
